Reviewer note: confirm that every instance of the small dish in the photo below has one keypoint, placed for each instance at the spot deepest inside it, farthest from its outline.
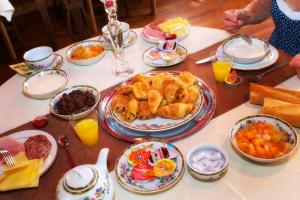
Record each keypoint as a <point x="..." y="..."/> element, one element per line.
<point x="45" y="84"/>
<point x="267" y="61"/>
<point x="157" y="58"/>
<point x="207" y="162"/>
<point x="243" y="52"/>
<point x="128" y="41"/>
<point x="85" y="44"/>
<point x="290" y="136"/>
<point x="80" y="115"/>
<point x="140" y="177"/>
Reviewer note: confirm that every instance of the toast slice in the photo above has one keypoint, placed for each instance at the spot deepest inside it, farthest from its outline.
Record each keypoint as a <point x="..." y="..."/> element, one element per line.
<point x="259" y="92"/>
<point x="289" y="112"/>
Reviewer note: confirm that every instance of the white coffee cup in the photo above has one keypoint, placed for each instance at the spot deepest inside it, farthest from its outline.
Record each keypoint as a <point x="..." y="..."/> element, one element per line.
<point x="125" y="30"/>
<point x="39" y="58"/>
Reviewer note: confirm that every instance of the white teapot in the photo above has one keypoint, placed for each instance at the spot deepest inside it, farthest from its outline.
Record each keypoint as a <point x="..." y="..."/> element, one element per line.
<point x="87" y="182"/>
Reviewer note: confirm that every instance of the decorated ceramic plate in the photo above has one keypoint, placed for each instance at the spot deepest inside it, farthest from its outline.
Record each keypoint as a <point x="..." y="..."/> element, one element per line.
<point x="157" y="124"/>
<point x="149" y="167"/>
<point x="22" y="136"/>
<point x="128" y="41"/>
<point x="152" y="33"/>
<point x="157" y="58"/>
<point x="118" y="130"/>
<point x="267" y="61"/>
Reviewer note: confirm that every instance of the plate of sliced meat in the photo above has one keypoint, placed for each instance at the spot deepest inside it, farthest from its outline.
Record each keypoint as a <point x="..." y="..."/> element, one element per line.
<point x="35" y="143"/>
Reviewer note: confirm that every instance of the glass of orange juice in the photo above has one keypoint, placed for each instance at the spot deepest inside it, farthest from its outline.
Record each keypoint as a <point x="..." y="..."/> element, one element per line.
<point x="87" y="129"/>
<point x="221" y="67"/>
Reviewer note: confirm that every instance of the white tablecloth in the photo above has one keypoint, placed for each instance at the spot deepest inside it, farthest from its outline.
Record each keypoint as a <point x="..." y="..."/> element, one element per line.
<point x="6" y="9"/>
<point x="17" y="109"/>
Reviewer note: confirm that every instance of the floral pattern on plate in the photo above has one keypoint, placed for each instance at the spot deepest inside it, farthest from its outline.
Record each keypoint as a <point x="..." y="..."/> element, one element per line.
<point x="128" y="41"/>
<point x="158" y="184"/>
<point x="157" y="58"/>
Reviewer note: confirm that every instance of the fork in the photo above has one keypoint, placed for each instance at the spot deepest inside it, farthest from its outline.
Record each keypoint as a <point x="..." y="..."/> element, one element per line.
<point x="9" y="160"/>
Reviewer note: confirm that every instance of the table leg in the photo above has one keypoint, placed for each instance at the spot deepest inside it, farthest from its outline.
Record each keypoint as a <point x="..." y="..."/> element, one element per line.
<point x="92" y="15"/>
<point x="7" y="40"/>
<point x="153" y="7"/>
<point x="41" y="4"/>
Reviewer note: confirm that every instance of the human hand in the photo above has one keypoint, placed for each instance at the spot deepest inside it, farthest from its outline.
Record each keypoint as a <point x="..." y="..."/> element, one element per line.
<point x="233" y="20"/>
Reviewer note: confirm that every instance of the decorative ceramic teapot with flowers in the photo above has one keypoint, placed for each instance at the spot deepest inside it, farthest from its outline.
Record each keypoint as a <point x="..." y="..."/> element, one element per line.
<point x="87" y="182"/>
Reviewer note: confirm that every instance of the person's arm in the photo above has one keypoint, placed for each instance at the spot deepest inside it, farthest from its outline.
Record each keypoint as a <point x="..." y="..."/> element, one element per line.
<point x="255" y="12"/>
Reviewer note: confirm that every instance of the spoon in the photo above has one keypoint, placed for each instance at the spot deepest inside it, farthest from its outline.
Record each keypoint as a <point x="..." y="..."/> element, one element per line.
<point x="63" y="142"/>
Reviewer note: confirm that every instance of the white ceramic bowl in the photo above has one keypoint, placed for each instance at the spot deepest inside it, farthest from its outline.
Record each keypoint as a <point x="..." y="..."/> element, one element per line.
<point x="45" y="84"/>
<point x="39" y="58"/>
<point x="125" y="30"/>
<point x="77" y="116"/>
<point x="85" y="62"/>
<point x="205" y="176"/>
<point x="287" y="128"/>
<point x="242" y="52"/>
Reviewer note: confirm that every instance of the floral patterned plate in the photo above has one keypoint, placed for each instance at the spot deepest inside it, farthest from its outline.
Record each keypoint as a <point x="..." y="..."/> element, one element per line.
<point x="116" y="129"/>
<point x="157" y="58"/>
<point x="123" y="170"/>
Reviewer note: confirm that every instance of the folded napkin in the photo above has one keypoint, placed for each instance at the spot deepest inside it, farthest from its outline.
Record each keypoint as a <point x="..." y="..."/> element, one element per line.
<point x="24" y="174"/>
<point x="6" y="9"/>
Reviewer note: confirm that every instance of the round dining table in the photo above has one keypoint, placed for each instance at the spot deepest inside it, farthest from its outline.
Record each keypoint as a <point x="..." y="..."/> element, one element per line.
<point x="243" y="180"/>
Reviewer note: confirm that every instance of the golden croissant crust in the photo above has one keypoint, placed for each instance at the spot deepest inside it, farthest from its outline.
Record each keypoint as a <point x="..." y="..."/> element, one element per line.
<point x="175" y="110"/>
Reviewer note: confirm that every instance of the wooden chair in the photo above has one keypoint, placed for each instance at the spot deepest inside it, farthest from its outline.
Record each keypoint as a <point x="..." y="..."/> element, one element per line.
<point x="152" y="5"/>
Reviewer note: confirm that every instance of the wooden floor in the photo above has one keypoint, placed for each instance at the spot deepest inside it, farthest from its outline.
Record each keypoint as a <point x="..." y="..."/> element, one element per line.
<point x="208" y="13"/>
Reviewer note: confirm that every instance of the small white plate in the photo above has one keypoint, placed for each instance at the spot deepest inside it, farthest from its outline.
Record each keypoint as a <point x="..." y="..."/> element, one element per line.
<point x="179" y="55"/>
<point x="38" y="87"/>
<point x="267" y="61"/>
<point x="22" y="136"/>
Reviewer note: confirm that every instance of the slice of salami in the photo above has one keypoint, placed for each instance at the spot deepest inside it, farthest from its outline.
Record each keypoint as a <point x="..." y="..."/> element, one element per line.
<point x="37" y="147"/>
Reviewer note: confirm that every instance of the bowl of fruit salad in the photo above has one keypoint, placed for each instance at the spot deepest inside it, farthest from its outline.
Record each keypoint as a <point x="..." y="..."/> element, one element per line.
<point x="263" y="138"/>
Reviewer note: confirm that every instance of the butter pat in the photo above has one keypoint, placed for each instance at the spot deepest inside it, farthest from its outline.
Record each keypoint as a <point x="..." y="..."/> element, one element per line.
<point x="178" y="26"/>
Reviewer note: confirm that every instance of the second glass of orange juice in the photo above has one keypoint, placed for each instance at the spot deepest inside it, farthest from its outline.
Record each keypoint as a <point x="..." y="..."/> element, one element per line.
<point x="221" y="67"/>
<point x="87" y="129"/>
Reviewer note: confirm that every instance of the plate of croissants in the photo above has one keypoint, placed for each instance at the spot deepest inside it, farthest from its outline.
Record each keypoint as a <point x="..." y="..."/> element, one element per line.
<point x="156" y="102"/>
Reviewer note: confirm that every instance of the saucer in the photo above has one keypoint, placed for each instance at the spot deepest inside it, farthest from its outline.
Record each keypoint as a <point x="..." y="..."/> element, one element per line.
<point x="157" y="58"/>
<point x="25" y="70"/>
<point x="128" y="41"/>
<point x="267" y="61"/>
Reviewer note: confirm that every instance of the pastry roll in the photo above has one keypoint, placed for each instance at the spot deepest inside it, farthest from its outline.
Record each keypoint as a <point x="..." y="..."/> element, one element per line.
<point x="170" y="92"/>
<point x="140" y="77"/>
<point x="125" y="89"/>
<point x="144" y="111"/>
<point x="182" y="95"/>
<point x="119" y="103"/>
<point x="175" y="110"/>
<point x="194" y="94"/>
<point x="140" y="90"/>
<point x="186" y="79"/>
<point x="154" y="100"/>
<point x="131" y="110"/>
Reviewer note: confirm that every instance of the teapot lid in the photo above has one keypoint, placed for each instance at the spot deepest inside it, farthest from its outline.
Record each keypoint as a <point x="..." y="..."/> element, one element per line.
<point x="81" y="179"/>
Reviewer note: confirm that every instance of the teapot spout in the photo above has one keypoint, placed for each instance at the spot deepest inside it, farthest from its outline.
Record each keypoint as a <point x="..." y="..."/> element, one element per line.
<point x="102" y="159"/>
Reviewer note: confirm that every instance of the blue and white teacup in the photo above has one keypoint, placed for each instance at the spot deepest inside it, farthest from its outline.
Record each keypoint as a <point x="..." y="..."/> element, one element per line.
<point x="39" y="58"/>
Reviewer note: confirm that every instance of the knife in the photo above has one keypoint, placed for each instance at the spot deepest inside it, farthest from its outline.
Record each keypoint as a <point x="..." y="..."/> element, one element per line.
<point x="205" y="60"/>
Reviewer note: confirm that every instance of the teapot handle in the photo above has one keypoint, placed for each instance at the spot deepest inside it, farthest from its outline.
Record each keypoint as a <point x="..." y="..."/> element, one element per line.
<point x="102" y="159"/>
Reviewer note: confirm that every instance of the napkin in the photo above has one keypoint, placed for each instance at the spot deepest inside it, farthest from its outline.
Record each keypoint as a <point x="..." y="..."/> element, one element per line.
<point x="24" y="174"/>
<point x="6" y="9"/>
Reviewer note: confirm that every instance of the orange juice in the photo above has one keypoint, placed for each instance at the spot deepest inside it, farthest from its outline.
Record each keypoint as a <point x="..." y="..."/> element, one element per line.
<point x="221" y="69"/>
<point x="87" y="131"/>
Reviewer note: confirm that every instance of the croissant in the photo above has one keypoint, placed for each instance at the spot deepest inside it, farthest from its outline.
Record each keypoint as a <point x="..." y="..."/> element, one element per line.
<point x="119" y="103"/>
<point x="144" y="111"/>
<point x="125" y="89"/>
<point x="140" y="77"/>
<point x="154" y="100"/>
<point x="157" y="84"/>
<point x="182" y="95"/>
<point x="140" y="90"/>
<point x="131" y="110"/>
<point x="194" y="94"/>
<point x="170" y="92"/>
<point x="175" y="110"/>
